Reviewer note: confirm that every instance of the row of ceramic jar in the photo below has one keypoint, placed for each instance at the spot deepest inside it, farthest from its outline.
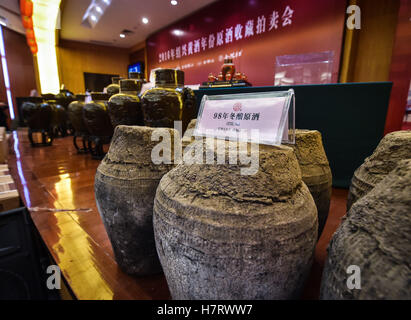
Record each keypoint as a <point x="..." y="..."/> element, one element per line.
<point x="216" y="234"/>
<point x="160" y="106"/>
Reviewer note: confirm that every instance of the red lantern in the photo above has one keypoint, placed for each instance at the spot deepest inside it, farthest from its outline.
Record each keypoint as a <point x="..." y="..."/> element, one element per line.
<point x="30" y="34"/>
<point x="26" y="8"/>
<point x="34" y="49"/>
<point x="31" y="42"/>
<point x="27" y="22"/>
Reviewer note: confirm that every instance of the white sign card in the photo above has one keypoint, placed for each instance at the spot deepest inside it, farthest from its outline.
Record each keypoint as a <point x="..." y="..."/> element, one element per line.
<point x="233" y="116"/>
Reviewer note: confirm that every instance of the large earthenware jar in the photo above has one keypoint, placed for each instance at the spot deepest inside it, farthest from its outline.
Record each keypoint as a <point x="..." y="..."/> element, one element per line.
<point x="168" y="101"/>
<point x="125" y="107"/>
<point x="114" y="87"/>
<point x="96" y="117"/>
<point x="224" y="235"/>
<point x="64" y="98"/>
<point x="38" y="116"/>
<point x="139" y="78"/>
<point x="370" y="251"/>
<point x="60" y="118"/>
<point x="315" y="169"/>
<point x="75" y="114"/>
<point x="394" y="147"/>
<point x="188" y="136"/>
<point x="125" y="186"/>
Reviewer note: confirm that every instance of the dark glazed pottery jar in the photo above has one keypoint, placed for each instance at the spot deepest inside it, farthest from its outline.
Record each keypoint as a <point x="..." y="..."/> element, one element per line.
<point x="125" y="107"/>
<point x="168" y="101"/>
<point x="96" y="117"/>
<point x="75" y="114"/>
<point x="64" y="98"/>
<point x="98" y="124"/>
<point x="38" y="116"/>
<point x="114" y="87"/>
<point x="139" y="77"/>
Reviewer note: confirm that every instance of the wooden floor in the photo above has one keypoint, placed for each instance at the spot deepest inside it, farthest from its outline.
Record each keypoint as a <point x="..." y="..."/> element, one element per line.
<point x="57" y="177"/>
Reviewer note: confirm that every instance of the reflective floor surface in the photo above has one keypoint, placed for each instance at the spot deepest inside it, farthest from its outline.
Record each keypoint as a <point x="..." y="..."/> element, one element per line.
<point x="57" y="177"/>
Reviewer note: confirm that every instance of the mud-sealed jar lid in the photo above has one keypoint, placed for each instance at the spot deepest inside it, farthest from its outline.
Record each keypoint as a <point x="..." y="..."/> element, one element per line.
<point x="116" y="80"/>
<point x="136" y="75"/>
<point x="169" y="77"/>
<point x="100" y="96"/>
<point x="128" y="85"/>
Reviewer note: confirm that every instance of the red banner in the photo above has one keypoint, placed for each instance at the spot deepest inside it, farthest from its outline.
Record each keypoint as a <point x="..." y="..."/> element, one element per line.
<point x="253" y="32"/>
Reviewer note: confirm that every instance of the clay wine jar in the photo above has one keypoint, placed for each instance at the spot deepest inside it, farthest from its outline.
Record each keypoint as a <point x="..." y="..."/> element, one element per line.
<point x="375" y="236"/>
<point x="394" y="147"/>
<point x="75" y="114"/>
<point x="96" y="117"/>
<point x="168" y="101"/>
<point x="38" y="116"/>
<point x="223" y="235"/>
<point x="125" y="186"/>
<point x="114" y="87"/>
<point x="139" y="78"/>
<point x="125" y="107"/>
<point x="315" y="169"/>
<point x="188" y="136"/>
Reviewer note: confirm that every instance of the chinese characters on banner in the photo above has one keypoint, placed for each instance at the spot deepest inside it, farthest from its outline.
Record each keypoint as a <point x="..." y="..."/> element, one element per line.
<point x="251" y="32"/>
<point x="259" y="25"/>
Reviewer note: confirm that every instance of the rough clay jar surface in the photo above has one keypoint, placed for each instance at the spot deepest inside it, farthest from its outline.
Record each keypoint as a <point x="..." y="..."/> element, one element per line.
<point x="315" y="169"/>
<point x="124" y="108"/>
<point x="168" y="101"/>
<point x="223" y="235"/>
<point x="375" y="236"/>
<point x="188" y="134"/>
<point x="125" y="186"/>
<point x="394" y="147"/>
<point x="75" y="113"/>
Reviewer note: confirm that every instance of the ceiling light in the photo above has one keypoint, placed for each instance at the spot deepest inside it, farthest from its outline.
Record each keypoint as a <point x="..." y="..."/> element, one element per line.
<point x="94" y="12"/>
<point x="174" y="2"/>
<point x="178" y="32"/>
<point x="144" y="20"/>
<point x="122" y="35"/>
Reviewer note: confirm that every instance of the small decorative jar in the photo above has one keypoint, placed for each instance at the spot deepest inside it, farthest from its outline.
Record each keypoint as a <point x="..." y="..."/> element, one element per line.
<point x="227" y="67"/>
